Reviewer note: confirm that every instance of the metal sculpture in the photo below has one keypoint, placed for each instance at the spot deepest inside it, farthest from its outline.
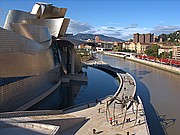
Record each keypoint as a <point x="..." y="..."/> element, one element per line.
<point x="124" y="105"/>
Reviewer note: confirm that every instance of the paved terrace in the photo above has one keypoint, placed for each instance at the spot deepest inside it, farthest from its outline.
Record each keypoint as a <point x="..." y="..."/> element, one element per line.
<point x="83" y="119"/>
<point x="96" y="116"/>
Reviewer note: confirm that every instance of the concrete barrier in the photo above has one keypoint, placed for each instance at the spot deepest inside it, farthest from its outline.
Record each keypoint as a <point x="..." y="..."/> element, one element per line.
<point x="157" y="65"/>
<point x="29" y="113"/>
<point x="55" y="130"/>
<point x="64" y="123"/>
<point x="38" y="99"/>
<point x="120" y="86"/>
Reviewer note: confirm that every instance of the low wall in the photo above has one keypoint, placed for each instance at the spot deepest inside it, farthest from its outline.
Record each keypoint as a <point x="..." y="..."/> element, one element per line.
<point x="55" y="130"/>
<point x="120" y="86"/>
<point x="157" y="65"/>
<point x="29" y="113"/>
<point x="63" y="123"/>
<point x="38" y="99"/>
<point x="149" y="63"/>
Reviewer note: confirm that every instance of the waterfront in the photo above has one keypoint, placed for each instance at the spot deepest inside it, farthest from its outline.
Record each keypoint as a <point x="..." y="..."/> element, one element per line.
<point x="158" y="89"/>
<point x="72" y="120"/>
<point x="99" y="85"/>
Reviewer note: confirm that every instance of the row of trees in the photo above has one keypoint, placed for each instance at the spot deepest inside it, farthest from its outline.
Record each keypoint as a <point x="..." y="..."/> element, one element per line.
<point x="120" y="49"/>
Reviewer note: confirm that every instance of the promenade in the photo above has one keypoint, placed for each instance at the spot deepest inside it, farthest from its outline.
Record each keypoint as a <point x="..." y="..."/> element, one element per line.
<point x="120" y="114"/>
<point x="126" y="122"/>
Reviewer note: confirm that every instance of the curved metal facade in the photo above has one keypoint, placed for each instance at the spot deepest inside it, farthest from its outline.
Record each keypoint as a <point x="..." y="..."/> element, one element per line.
<point x="57" y="27"/>
<point x="31" y="60"/>
<point x="17" y="16"/>
<point x="21" y="56"/>
<point x="46" y="11"/>
<point x="39" y="34"/>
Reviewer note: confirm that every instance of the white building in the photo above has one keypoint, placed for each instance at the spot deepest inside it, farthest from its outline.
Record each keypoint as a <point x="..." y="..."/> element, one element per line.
<point x="176" y="52"/>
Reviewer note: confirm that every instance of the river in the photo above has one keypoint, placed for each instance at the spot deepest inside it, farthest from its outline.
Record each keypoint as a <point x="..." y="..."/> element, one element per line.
<point x="159" y="90"/>
<point x="99" y="85"/>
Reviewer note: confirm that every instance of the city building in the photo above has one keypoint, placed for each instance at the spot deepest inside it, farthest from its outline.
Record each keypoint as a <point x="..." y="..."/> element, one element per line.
<point x="35" y="55"/>
<point x="141" y="47"/>
<point x="136" y="37"/>
<point x="176" y="52"/>
<point x="167" y="50"/>
<point x="97" y="40"/>
<point x="130" y="46"/>
<point x="149" y="38"/>
<point x="156" y="39"/>
<point x="142" y="38"/>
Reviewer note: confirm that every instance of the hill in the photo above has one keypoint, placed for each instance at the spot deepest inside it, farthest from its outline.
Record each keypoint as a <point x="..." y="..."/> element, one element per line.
<point x="92" y="36"/>
<point x="172" y="37"/>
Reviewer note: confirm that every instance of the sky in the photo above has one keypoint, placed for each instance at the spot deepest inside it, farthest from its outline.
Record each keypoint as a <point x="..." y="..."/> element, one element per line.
<point x="116" y="18"/>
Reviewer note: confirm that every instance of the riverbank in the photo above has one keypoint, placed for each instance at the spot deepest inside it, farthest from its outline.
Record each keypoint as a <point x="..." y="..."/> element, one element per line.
<point x="124" y="120"/>
<point x="129" y="119"/>
<point x="168" y="68"/>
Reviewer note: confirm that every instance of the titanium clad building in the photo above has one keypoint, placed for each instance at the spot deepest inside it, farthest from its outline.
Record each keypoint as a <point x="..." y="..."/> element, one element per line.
<point x="34" y="55"/>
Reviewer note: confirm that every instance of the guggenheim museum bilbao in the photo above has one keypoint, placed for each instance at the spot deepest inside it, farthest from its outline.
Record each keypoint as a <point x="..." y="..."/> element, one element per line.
<point x="35" y="54"/>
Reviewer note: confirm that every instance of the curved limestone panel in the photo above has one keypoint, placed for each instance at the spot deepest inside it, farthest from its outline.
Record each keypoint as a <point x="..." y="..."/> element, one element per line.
<point x="17" y="16"/>
<point x="21" y="56"/>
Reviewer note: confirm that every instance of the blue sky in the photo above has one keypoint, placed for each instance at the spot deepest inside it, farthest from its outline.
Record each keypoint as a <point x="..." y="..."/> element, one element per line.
<point x="117" y="18"/>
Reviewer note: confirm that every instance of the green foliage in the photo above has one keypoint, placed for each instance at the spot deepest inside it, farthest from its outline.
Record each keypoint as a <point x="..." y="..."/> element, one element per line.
<point x="165" y="55"/>
<point x="82" y="52"/>
<point x="117" y="48"/>
<point x="152" y="51"/>
<point x="171" y="36"/>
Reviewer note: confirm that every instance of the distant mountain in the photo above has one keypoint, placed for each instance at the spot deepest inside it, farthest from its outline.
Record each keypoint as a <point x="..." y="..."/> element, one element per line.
<point x="92" y="36"/>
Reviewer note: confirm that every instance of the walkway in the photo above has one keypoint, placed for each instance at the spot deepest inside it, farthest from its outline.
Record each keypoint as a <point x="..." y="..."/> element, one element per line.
<point x="96" y="116"/>
<point x="84" y="121"/>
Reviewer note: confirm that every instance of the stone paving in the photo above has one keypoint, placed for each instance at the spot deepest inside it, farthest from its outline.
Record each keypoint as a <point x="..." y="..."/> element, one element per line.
<point x="97" y="117"/>
<point x="98" y="120"/>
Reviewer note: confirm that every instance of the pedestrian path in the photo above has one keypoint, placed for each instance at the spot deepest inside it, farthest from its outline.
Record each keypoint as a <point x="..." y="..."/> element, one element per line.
<point x="120" y="114"/>
<point x="114" y="119"/>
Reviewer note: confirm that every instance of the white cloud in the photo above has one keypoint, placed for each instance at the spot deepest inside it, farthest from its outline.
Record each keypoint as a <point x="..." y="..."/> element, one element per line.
<point x="122" y="32"/>
<point x="165" y="29"/>
<point x="78" y="27"/>
<point x="134" y="25"/>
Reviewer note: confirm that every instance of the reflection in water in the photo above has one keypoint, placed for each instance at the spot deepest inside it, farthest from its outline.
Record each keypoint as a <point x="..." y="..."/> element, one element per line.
<point x="99" y="85"/>
<point x="61" y="98"/>
<point x="159" y="91"/>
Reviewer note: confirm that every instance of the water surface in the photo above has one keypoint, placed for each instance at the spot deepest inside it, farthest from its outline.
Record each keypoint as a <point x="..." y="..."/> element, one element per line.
<point x="99" y="85"/>
<point x="159" y="90"/>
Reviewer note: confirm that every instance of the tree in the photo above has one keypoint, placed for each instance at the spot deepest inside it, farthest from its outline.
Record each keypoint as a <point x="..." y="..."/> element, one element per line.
<point x="165" y="55"/>
<point x="152" y="51"/>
